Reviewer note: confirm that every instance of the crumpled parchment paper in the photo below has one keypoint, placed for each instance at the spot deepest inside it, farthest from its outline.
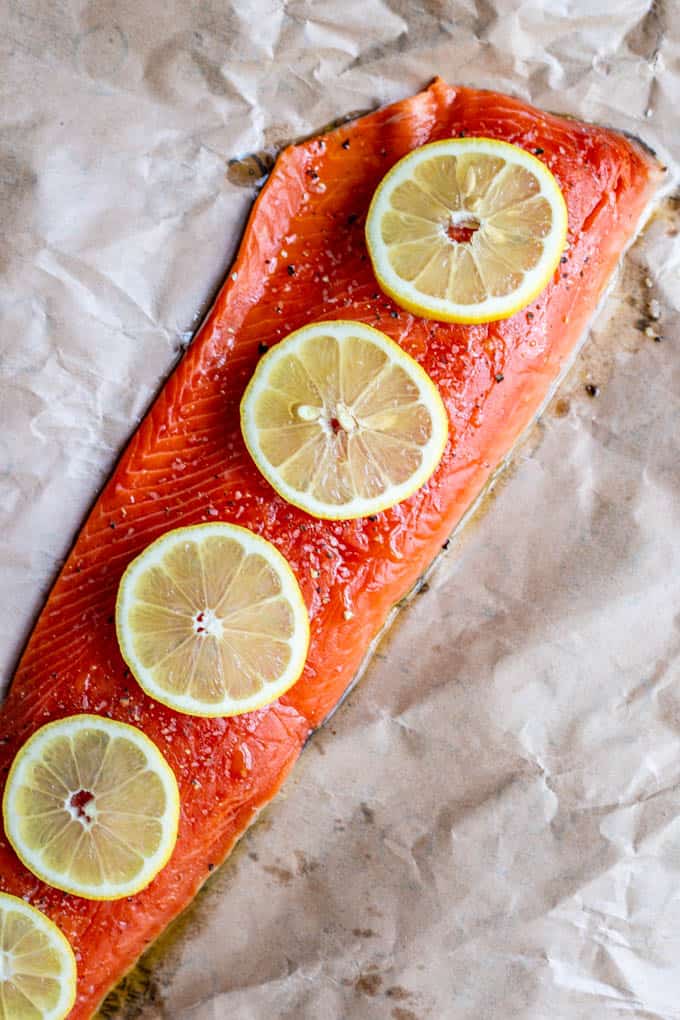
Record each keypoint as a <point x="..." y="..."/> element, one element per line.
<point x="490" y="827"/>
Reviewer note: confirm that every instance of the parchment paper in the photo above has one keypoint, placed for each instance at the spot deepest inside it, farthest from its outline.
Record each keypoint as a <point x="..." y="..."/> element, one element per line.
<point x="490" y="827"/>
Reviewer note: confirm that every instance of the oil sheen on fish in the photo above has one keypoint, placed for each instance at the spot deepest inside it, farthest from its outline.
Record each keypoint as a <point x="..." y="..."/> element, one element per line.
<point x="303" y="258"/>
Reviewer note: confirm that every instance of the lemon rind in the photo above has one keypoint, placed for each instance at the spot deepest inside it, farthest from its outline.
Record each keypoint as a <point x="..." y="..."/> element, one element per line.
<point x="492" y="309"/>
<point x="68" y="978"/>
<point x="169" y="784"/>
<point x="360" y="507"/>
<point x="230" y="707"/>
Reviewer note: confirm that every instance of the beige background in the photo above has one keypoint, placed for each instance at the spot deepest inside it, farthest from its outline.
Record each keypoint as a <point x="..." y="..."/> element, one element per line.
<point x="490" y="827"/>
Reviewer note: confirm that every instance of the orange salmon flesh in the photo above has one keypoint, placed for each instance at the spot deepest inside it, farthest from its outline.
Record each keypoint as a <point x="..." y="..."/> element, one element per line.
<point x="303" y="258"/>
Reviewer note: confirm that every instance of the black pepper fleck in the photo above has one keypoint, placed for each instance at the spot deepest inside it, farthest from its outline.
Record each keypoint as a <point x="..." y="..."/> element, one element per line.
<point x="538" y="152"/>
<point x="499" y="377"/>
<point x="345" y="144"/>
<point x="291" y="270"/>
<point x="592" y="390"/>
<point x="563" y="259"/>
<point x="372" y="517"/>
<point x="395" y="315"/>
<point x="262" y="347"/>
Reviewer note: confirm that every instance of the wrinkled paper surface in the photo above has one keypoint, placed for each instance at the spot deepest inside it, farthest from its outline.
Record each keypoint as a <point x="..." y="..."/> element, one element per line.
<point x="490" y="827"/>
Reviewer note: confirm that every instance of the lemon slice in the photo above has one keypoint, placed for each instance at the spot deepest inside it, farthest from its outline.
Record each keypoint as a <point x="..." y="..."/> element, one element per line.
<point x="211" y="621"/>
<point x="37" y="965"/>
<point x="92" y="807"/>
<point x="466" y="230"/>
<point x="342" y="422"/>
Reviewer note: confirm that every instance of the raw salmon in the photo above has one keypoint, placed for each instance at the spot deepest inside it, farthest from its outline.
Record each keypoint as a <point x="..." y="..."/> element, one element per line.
<point x="303" y="258"/>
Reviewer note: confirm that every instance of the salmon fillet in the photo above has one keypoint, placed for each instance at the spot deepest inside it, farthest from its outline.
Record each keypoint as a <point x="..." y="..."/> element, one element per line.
<point x="303" y="258"/>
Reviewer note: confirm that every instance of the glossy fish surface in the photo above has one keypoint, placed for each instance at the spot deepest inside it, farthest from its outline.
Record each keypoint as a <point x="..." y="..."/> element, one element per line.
<point x="303" y="258"/>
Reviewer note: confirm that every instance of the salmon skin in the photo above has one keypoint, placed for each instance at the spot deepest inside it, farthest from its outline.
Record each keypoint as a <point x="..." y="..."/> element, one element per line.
<point x="303" y="258"/>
